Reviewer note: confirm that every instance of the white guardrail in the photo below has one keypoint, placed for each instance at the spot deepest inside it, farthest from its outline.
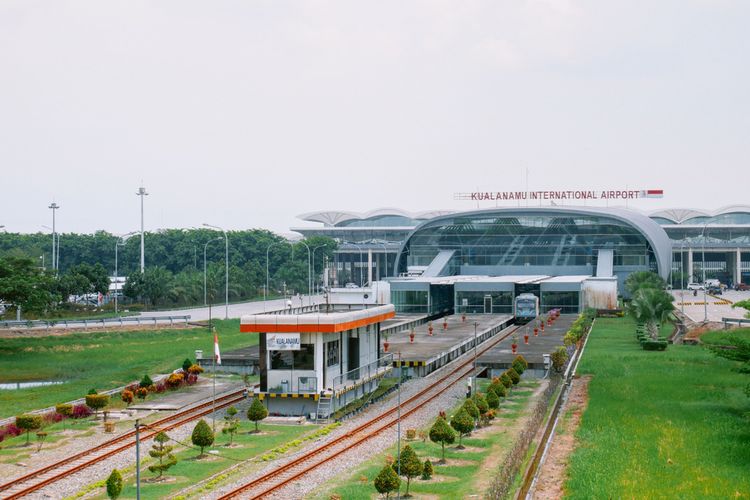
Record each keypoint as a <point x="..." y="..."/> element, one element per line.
<point x="138" y="320"/>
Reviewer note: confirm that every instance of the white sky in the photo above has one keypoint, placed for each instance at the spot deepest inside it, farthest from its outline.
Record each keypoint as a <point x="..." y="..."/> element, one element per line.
<point x="248" y="113"/>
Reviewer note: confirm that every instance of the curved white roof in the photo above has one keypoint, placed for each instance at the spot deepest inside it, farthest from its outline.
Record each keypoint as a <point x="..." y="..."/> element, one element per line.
<point x="679" y="215"/>
<point x="334" y="217"/>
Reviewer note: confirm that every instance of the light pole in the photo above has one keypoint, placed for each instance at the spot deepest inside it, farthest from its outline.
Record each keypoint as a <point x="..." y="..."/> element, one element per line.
<point x="309" y="276"/>
<point x="204" y="268"/>
<point x="119" y="242"/>
<point x="703" y="268"/>
<point x="682" y="277"/>
<point x="398" y="421"/>
<point x="313" y="266"/>
<point x="142" y="193"/>
<point x="474" y="378"/>
<point x="54" y="206"/>
<point x="361" y="280"/>
<point x="55" y="246"/>
<point x="226" y="265"/>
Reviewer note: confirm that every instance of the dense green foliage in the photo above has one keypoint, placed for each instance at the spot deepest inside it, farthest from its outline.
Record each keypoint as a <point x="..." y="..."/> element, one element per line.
<point x="163" y="453"/>
<point x="409" y="465"/>
<point x="493" y="400"/>
<point x="29" y="422"/>
<point x="97" y="402"/>
<point x="427" y="470"/>
<point x="673" y="427"/>
<point x="558" y="357"/>
<point x="651" y="306"/>
<point x="463" y="423"/>
<point x="174" y="266"/>
<point x="513" y="375"/>
<point x="202" y="435"/>
<point x="114" y="484"/>
<point x="643" y="279"/>
<point x="257" y="412"/>
<point x="441" y="433"/>
<point x="387" y="481"/>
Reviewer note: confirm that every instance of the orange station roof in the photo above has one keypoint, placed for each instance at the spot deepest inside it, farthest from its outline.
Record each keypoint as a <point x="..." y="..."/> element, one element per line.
<point x="320" y="322"/>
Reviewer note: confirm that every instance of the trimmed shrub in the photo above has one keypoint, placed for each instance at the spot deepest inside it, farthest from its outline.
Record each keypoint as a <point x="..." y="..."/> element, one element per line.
<point x="655" y="345"/>
<point x="114" y="484"/>
<point x="191" y="379"/>
<point x="427" y="470"/>
<point x="514" y="376"/>
<point x="146" y="382"/>
<point x="195" y="369"/>
<point x="480" y="402"/>
<point x="175" y="380"/>
<point x="163" y="453"/>
<point x="81" y="411"/>
<point x="127" y="397"/>
<point x="64" y="409"/>
<point x="506" y="381"/>
<point x="493" y="401"/>
<point x="97" y="402"/>
<point x="387" y="480"/>
<point x="441" y="432"/>
<point x="499" y="389"/>
<point x="256" y="412"/>
<point x="231" y="423"/>
<point x="29" y="422"/>
<point x="186" y="365"/>
<point x="520" y="364"/>
<point x="559" y="356"/>
<point x="471" y="409"/>
<point x="202" y="435"/>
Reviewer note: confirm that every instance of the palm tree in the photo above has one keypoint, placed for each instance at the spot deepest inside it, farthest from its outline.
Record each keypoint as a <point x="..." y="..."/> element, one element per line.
<point x="651" y="306"/>
<point x="643" y="279"/>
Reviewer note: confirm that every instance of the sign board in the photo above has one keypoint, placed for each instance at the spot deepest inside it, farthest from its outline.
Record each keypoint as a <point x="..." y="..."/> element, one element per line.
<point x="580" y="194"/>
<point x="283" y="341"/>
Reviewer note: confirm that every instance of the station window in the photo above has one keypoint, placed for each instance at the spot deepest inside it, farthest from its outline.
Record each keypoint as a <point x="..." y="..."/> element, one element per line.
<point x="332" y="353"/>
<point x="304" y="359"/>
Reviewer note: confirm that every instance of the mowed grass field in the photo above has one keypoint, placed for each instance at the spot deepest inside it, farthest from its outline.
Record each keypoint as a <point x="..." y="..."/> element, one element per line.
<point x="101" y="360"/>
<point x="672" y="424"/>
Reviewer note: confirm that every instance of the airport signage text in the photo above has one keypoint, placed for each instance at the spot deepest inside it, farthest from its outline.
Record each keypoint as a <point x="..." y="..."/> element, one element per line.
<point x="611" y="194"/>
<point x="283" y="341"/>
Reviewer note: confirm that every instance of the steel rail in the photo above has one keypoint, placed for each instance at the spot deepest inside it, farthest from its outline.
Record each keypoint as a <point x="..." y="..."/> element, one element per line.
<point x="164" y="424"/>
<point x="353" y="434"/>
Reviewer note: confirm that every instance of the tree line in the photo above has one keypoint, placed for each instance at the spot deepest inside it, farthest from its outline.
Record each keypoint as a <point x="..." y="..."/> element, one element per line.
<point x="174" y="272"/>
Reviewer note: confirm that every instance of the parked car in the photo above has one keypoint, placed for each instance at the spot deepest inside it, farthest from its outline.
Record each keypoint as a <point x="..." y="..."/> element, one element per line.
<point x="694" y="286"/>
<point x="714" y="290"/>
<point x="741" y="287"/>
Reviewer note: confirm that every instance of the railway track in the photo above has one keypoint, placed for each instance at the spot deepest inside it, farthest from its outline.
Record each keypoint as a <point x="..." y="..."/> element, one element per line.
<point x="54" y="472"/>
<point x="286" y="474"/>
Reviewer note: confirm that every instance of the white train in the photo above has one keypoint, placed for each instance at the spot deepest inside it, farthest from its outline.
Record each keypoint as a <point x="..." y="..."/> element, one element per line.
<point x="526" y="307"/>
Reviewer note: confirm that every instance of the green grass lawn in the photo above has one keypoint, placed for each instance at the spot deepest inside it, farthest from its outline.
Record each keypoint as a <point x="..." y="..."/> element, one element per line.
<point x="458" y="478"/>
<point x="670" y="424"/>
<point x="101" y="360"/>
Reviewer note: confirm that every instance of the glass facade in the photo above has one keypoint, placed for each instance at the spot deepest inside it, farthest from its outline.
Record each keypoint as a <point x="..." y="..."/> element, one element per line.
<point x="518" y="240"/>
<point x="484" y="302"/>
<point x="410" y="301"/>
<point x="567" y="302"/>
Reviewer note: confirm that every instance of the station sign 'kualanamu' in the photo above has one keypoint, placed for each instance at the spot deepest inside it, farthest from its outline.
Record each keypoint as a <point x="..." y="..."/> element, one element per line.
<point x="283" y="342"/>
<point x="579" y="194"/>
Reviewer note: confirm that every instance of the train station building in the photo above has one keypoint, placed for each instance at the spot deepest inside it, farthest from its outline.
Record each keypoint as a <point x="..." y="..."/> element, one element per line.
<point x="313" y="363"/>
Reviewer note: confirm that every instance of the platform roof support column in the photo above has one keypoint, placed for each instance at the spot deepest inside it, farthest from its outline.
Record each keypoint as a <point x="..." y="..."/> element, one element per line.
<point x="738" y="266"/>
<point x="690" y="265"/>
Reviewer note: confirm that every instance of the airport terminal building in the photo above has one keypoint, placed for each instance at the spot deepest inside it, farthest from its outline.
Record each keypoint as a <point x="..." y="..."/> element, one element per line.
<point x="478" y="260"/>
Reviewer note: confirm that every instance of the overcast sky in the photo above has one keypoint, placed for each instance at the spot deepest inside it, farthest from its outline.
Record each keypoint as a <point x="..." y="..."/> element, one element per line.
<point x="248" y="113"/>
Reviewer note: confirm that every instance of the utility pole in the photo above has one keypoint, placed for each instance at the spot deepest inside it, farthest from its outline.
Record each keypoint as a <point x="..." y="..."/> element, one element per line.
<point x="137" y="460"/>
<point x="54" y="206"/>
<point x="142" y="192"/>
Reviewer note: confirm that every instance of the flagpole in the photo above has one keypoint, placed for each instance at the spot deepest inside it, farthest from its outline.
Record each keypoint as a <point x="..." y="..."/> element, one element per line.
<point x="213" y="369"/>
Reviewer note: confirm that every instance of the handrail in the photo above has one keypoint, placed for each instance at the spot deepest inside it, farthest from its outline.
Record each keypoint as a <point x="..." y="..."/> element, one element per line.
<point x="361" y="372"/>
<point x="92" y="322"/>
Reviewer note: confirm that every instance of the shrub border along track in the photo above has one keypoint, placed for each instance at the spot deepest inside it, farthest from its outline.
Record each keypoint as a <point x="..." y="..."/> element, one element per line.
<point x="352" y="434"/>
<point x="163" y="424"/>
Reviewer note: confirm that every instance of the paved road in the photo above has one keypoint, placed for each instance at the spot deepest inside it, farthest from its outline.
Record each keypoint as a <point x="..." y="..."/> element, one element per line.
<point x="716" y="308"/>
<point x="237" y="310"/>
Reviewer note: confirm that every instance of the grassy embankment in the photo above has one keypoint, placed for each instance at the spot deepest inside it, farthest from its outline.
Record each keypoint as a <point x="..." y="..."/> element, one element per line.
<point x="460" y="477"/>
<point x="101" y="360"/>
<point x="659" y="424"/>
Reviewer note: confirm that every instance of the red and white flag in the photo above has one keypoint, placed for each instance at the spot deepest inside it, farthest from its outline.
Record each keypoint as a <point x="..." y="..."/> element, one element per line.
<point x="217" y="354"/>
<point x="652" y="193"/>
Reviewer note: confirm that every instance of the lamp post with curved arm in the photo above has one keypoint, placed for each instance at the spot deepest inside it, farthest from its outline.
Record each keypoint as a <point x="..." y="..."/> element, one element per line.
<point x="313" y="267"/>
<point x="703" y="268"/>
<point x="226" y="265"/>
<point x="205" y="247"/>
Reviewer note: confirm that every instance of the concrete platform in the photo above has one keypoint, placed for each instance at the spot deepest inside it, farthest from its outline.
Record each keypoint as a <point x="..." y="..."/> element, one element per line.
<point x="499" y="358"/>
<point x="428" y="353"/>
<point x="244" y="361"/>
<point x="715" y="308"/>
<point x="188" y="396"/>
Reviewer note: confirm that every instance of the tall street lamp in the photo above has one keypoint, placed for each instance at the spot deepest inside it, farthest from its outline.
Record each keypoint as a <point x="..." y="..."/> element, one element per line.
<point x="118" y="243"/>
<point x="54" y="206"/>
<point x="313" y="267"/>
<point x="226" y="258"/>
<point x="55" y="246"/>
<point x="309" y="276"/>
<point x="361" y="279"/>
<point x="703" y="266"/>
<point x="142" y="193"/>
<point x="204" y="268"/>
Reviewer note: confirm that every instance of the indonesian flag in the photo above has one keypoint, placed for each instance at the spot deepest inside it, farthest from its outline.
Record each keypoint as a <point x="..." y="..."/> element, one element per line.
<point x="652" y="193"/>
<point x="217" y="354"/>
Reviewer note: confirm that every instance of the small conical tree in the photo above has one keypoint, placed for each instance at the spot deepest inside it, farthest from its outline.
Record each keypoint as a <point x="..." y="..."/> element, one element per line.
<point x="427" y="470"/>
<point x="441" y="432"/>
<point x="499" y="389"/>
<point x="114" y="484"/>
<point x="506" y="381"/>
<point x="387" y="480"/>
<point x="186" y="365"/>
<point x="514" y="376"/>
<point x="163" y="453"/>
<point x="471" y="409"/>
<point x="409" y="465"/>
<point x="202" y="436"/>
<point x="146" y="382"/>
<point x="231" y="423"/>
<point x="463" y="424"/>
<point x="256" y="412"/>
<point x="493" y="401"/>
<point x="481" y="403"/>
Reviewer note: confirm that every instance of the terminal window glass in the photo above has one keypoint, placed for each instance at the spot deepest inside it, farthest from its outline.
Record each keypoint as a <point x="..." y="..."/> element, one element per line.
<point x="304" y="359"/>
<point x="332" y="353"/>
<point x="410" y="301"/>
<point x="474" y="302"/>
<point x="567" y="302"/>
